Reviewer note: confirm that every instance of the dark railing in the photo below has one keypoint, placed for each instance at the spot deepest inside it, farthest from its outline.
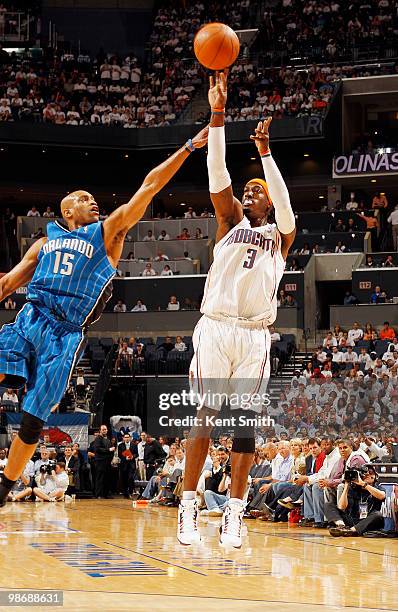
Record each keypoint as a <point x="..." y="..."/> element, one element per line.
<point x="97" y="399"/>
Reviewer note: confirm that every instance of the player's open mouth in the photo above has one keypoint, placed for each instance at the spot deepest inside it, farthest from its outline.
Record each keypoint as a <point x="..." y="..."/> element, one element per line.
<point x="247" y="202"/>
<point x="95" y="210"/>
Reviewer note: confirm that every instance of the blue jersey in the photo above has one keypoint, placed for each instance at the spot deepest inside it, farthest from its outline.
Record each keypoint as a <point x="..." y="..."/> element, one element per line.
<point x="73" y="276"/>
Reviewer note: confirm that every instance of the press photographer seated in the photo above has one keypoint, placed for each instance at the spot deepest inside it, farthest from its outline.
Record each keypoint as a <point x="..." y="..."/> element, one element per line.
<point x="358" y="509"/>
<point x="52" y="482"/>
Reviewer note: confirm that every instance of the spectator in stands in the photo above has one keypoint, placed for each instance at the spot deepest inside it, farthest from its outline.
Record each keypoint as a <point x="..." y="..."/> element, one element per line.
<point x="10" y="304"/>
<point x="329" y="340"/>
<point x="282" y="298"/>
<point x="352" y="204"/>
<point x="350" y="357"/>
<point x="305" y="250"/>
<point x="167" y="271"/>
<point x="33" y="212"/>
<point x="167" y="345"/>
<point x="387" y="332"/>
<point x="130" y="256"/>
<point x="198" y="234"/>
<point x="139" y="307"/>
<point x="393" y="219"/>
<point x="290" y="301"/>
<point x="9" y="395"/>
<point x="340" y="247"/>
<point x="190" y="214"/>
<point x="163" y="235"/>
<point x="180" y="345"/>
<point x="339" y="227"/>
<point x="389" y="262"/>
<point x="186" y="256"/>
<point x="149" y="237"/>
<point x="369" y="261"/>
<point x="3" y="459"/>
<point x="338" y="332"/>
<point x="184" y="235"/>
<point x="173" y="304"/>
<point x="161" y="257"/>
<point x="120" y="306"/>
<point x="379" y="201"/>
<point x="355" y="334"/>
<point x="378" y="296"/>
<point x="22" y="489"/>
<point x="48" y="213"/>
<point x="148" y="270"/>
<point x="295" y="265"/>
<point x="350" y="298"/>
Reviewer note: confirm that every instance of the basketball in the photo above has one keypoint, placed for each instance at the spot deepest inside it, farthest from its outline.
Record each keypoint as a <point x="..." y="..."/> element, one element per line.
<point x="216" y="46"/>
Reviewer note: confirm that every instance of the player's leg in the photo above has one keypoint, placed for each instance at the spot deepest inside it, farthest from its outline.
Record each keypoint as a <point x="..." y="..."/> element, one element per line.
<point x="250" y="380"/>
<point x="15" y="352"/>
<point x="209" y="369"/>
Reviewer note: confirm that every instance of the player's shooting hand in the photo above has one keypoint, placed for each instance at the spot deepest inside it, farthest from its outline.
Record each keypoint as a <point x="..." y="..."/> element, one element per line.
<point x="261" y="136"/>
<point x="200" y="140"/>
<point x="218" y="90"/>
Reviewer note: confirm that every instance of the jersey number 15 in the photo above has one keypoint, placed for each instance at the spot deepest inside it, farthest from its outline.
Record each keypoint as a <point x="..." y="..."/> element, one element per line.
<point x="63" y="263"/>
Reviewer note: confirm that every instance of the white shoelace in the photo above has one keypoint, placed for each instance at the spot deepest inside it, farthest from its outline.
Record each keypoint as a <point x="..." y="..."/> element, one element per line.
<point x="189" y="518"/>
<point x="233" y="520"/>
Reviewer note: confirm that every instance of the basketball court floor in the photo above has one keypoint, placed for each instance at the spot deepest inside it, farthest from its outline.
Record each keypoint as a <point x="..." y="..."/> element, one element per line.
<point x="108" y="555"/>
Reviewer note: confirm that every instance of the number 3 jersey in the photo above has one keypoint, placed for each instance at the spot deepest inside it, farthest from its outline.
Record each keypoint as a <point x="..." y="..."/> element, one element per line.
<point x="245" y="274"/>
<point x="73" y="276"/>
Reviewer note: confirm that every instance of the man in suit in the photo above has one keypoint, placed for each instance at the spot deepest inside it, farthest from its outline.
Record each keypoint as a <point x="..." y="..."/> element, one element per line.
<point x="127" y="452"/>
<point x="103" y="453"/>
<point x="153" y="455"/>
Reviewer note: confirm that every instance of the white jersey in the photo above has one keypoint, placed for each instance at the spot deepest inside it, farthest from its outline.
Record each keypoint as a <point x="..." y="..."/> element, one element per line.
<point x="245" y="274"/>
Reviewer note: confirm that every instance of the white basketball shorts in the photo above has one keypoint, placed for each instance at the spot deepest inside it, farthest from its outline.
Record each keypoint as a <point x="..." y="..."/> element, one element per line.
<point x="232" y="358"/>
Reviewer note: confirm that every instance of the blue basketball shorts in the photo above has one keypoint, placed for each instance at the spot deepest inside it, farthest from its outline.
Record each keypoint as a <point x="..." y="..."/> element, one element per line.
<point x="40" y="352"/>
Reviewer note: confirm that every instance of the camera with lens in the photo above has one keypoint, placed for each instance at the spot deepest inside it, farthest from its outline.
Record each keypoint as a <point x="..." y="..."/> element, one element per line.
<point x="47" y="468"/>
<point x="227" y="469"/>
<point x="351" y="475"/>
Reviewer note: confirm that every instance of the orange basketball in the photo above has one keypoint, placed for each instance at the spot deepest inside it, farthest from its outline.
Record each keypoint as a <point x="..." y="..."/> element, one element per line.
<point x="216" y="46"/>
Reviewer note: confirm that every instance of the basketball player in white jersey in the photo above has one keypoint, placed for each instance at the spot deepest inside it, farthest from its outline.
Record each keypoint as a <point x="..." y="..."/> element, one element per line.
<point x="231" y="340"/>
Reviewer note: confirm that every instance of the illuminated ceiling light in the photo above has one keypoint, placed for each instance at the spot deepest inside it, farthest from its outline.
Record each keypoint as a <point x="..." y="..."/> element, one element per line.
<point x="182" y="204"/>
<point x="373" y="181"/>
<point x="376" y="133"/>
<point x="126" y="156"/>
<point x="43" y="150"/>
<point x="113" y="194"/>
<point x="306" y="154"/>
<point x="321" y="197"/>
<point x="170" y="194"/>
<point x="253" y="158"/>
<point x="352" y="235"/>
<point x="323" y="236"/>
<point x="86" y="153"/>
<point x="21" y="190"/>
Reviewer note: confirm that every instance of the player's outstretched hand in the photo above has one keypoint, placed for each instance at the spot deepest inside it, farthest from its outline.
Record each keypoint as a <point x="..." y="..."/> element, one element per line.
<point x="218" y="90"/>
<point x="261" y="136"/>
<point x="200" y="140"/>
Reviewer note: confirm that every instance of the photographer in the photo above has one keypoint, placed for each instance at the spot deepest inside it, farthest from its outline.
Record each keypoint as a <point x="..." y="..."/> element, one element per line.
<point x="52" y="482"/>
<point x="216" y="502"/>
<point x="358" y="509"/>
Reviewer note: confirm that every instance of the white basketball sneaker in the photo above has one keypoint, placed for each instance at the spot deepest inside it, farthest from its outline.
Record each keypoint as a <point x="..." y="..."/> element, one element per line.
<point x="187" y="530"/>
<point x="231" y="525"/>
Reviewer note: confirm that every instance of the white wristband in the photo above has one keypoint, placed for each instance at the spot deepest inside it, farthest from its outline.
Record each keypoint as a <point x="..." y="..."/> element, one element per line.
<point x="219" y="178"/>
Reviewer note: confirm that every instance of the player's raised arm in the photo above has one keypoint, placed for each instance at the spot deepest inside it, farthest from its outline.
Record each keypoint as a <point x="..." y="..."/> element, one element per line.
<point x="227" y="208"/>
<point x="126" y="216"/>
<point x="278" y="191"/>
<point x="23" y="272"/>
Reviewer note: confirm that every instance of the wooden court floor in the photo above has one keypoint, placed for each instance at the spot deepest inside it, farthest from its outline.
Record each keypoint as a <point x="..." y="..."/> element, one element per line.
<point x="107" y="555"/>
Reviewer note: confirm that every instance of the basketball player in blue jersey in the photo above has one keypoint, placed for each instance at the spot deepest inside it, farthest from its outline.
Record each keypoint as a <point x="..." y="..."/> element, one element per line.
<point x="231" y="340"/>
<point x="69" y="275"/>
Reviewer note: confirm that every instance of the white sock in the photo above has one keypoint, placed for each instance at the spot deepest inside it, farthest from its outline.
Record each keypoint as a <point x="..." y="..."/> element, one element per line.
<point x="339" y="523"/>
<point x="236" y="500"/>
<point x="188" y="495"/>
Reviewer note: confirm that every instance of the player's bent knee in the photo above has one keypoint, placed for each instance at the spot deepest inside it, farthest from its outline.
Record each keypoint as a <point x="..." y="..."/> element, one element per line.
<point x="30" y="429"/>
